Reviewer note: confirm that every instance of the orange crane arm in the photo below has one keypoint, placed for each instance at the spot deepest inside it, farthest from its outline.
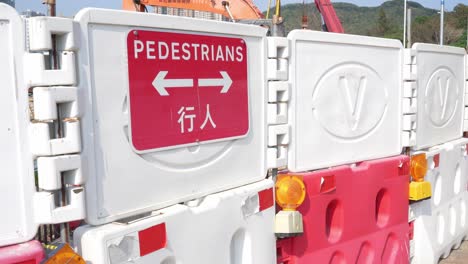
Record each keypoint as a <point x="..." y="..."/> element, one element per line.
<point x="240" y="9"/>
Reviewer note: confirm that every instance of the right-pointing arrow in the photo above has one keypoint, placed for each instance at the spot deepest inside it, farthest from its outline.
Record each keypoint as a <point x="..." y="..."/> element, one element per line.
<point x="225" y="82"/>
<point x="161" y="84"/>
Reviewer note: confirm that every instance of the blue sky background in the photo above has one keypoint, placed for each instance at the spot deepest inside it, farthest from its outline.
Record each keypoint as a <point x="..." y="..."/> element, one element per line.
<point x="70" y="7"/>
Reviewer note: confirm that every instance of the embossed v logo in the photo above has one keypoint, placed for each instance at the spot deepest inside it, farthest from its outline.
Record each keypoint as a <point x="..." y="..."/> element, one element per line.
<point x="443" y="95"/>
<point x="354" y="98"/>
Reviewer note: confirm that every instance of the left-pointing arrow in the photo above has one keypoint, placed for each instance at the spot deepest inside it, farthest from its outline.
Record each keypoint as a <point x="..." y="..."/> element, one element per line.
<point x="161" y="84"/>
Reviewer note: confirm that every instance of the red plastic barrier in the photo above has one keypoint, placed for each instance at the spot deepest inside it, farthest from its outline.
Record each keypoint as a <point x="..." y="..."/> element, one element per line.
<point x="353" y="215"/>
<point x="25" y="253"/>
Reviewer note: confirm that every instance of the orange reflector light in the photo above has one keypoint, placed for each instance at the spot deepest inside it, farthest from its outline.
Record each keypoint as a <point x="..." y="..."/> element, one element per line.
<point x="418" y="167"/>
<point x="290" y="191"/>
<point x="64" y="254"/>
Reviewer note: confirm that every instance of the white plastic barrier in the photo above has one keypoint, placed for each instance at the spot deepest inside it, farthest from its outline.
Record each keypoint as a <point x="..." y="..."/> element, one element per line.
<point x="17" y="178"/>
<point x="235" y="226"/>
<point x="465" y="123"/>
<point x="173" y="109"/>
<point x="25" y="135"/>
<point x="435" y="77"/>
<point x="441" y="222"/>
<point x="346" y="99"/>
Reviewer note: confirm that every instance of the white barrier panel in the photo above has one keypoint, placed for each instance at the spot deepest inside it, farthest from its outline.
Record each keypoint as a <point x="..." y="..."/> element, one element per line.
<point x="38" y="133"/>
<point x="346" y="99"/>
<point x="465" y="122"/>
<point x="174" y="109"/>
<point x="439" y="76"/>
<point x="17" y="177"/>
<point x="441" y="222"/>
<point x="234" y="226"/>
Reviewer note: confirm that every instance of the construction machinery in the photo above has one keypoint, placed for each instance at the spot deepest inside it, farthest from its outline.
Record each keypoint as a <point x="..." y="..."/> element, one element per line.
<point x="231" y="10"/>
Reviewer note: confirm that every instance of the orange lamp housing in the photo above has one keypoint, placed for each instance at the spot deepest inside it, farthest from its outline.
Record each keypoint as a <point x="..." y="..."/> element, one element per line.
<point x="418" y="167"/>
<point x="290" y="191"/>
<point x="63" y="253"/>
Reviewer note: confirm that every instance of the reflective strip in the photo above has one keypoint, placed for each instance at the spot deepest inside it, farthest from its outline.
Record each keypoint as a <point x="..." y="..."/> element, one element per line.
<point x="152" y="239"/>
<point x="436" y="160"/>
<point x="266" y="199"/>
<point x="328" y="184"/>
<point x="411" y="230"/>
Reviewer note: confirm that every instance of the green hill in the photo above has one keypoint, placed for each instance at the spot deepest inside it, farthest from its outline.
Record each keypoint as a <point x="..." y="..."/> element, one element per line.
<point x="385" y="20"/>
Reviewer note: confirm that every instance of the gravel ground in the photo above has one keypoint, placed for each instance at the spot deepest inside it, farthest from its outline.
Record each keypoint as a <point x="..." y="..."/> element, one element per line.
<point x="459" y="256"/>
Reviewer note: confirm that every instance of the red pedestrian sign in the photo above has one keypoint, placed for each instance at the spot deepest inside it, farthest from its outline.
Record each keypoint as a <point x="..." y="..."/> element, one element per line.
<point x="186" y="89"/>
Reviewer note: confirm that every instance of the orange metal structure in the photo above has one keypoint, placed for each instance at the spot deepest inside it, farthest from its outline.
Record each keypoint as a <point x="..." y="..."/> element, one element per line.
<point x="241" y="9"/>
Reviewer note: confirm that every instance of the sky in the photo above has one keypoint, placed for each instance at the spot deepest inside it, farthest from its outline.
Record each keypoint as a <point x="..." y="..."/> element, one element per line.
<point x="71" y="7"/>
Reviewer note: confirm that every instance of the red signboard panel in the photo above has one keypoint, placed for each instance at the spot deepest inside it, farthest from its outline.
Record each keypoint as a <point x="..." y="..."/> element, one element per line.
<point x="186" y="89"/>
